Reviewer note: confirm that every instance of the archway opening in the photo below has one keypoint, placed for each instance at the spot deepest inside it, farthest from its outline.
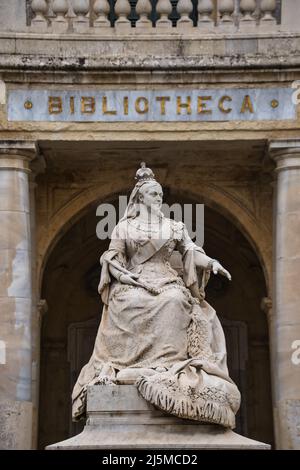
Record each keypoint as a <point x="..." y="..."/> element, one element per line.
<point x="69" y="328"/>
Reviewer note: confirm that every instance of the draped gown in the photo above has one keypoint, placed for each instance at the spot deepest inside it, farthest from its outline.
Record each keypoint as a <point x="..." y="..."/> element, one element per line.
<point x="164" y="329"/>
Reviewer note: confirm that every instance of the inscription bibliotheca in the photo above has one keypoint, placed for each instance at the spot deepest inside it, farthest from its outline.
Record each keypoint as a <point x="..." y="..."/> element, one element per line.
<point x="231" y="104"/>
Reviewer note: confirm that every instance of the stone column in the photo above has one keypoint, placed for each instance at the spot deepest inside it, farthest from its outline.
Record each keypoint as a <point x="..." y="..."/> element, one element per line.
<point x="15" y="296"/>
<point x="286" y="329"/>
<point x="39" y="307"/>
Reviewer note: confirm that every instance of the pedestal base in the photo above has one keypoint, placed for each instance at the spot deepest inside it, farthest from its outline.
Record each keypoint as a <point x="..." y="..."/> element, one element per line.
<point x="119" y="418"/>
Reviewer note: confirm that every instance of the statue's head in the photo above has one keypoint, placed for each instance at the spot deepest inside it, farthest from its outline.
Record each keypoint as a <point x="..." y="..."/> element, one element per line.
<point x="150" y="194"/>
<point x="149" y="191"/>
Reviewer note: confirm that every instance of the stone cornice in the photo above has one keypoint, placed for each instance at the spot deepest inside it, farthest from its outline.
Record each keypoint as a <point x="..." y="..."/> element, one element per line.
<point x="148" y="52"/>
<point x="27" y="62"/>
<point x="152" y="35"/>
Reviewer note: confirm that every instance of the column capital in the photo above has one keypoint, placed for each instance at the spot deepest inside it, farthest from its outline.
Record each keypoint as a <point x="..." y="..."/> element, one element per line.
<point x="285" y="153"/>
<point x="17" y="154"/>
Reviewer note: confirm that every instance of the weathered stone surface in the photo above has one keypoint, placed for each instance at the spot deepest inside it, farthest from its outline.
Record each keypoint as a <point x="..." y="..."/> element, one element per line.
<point x="15" y="297"/>
<point x="15" y="273"/>
<point x="290" y="414"/>
<point x="15" y="425"/>
<point x="15" y="333"/>
<point x="178" y="105"/>
<point x="106" y="399"/>
<point x="46" y="51"/>
<point x="289" y="21"/>
<point x="118" y="418"/>
<point x="179" y="436"/>
<point x="13" y="190"/>
<point x="286" y="327"/>
<point x="14" y="230"/>
<point x="13" y="15"/>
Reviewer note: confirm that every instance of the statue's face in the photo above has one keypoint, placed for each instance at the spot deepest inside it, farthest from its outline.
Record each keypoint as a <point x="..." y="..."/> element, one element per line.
<point x="152" y="196"/>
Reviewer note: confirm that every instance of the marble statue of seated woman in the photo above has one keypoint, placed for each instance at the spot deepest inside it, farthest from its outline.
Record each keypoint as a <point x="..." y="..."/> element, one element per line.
<point x="157" y="330"/>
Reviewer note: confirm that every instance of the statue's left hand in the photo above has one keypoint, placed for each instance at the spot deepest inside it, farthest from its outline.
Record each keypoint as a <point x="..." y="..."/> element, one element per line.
<point x="217" y="268"/>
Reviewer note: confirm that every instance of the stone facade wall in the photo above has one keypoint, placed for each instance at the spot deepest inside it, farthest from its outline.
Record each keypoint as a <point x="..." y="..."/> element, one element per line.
<point x="226" y="165"/>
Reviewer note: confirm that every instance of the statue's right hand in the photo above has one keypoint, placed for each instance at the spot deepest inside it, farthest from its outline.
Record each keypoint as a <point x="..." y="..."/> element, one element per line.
<point x="129" y="279"/>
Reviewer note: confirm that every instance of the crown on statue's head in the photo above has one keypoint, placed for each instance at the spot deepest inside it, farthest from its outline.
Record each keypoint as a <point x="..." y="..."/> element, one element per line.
<point x="144" y="173"/>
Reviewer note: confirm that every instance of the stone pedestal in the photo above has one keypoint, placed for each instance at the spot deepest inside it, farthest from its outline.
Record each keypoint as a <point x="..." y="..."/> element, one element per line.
<point x="119" y="418"/>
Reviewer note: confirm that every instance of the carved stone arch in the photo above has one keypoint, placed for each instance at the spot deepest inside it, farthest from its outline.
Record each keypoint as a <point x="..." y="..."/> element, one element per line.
<point x="255" y="231"/>
<point x="70" y="283"/>
<point x="69" y="214"/>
